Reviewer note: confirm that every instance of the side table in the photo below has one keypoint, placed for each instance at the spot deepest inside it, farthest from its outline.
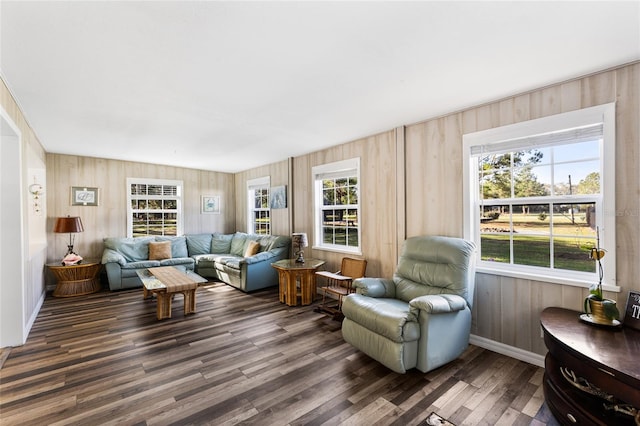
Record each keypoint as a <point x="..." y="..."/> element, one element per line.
<point x="604" y="358"/>
<point x="76" y="280"/>
<point x="288" y="274"/>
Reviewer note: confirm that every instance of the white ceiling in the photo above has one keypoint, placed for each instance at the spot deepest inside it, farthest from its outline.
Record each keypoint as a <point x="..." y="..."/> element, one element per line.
<point x="229" y="86"/>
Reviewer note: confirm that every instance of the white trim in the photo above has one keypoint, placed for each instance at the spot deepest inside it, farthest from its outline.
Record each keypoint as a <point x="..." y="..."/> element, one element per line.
<point x="252" y="185"/>
<point x="510" y="351"/>
<point x="604" y="114"/>
<point x="333" y="170"/>
<point x="151" y="181"/>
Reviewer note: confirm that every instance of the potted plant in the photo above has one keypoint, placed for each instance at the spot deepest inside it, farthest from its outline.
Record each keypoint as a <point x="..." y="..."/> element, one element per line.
<point x="601" y="310"/>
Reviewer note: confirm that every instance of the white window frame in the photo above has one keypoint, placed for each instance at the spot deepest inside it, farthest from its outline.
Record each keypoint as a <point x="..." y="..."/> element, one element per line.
<point x="167" y="182"/>
<point x="605" y="207"/>
<point x="338" y="169"/>
<point x="252" y="185"/>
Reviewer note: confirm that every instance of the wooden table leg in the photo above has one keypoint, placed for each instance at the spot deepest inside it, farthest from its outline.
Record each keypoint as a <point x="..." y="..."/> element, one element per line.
<point x="164" y="305"/>
<point x="189" y="301"/>
<point x="282" y="285"/>
<point x="305" y="288"/>
<point x="292" y="289"/>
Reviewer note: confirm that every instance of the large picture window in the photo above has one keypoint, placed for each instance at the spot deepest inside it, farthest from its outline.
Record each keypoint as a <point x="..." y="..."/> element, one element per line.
<point x="337" y="206"/>
<point x="154" y="207"/>
<point x="259" y="213"/>
<point x="538" y="192"/>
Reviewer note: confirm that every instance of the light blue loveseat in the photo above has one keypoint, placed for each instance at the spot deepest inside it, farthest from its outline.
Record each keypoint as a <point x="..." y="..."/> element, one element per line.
<point x="217" y="256"/>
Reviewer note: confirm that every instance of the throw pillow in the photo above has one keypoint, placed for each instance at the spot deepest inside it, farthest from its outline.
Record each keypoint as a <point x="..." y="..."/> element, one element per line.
<point x="252" y="248"/>
<point x="160" y="250"/>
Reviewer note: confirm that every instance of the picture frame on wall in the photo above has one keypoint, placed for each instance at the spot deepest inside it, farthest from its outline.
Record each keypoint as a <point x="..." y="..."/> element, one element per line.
<point x="85" y="196"/>
<point x="211" y="204"/>
<point x="278" y="197"/>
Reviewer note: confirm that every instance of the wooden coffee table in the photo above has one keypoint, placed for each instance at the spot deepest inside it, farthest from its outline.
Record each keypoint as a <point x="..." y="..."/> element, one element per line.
<point x="165" y="282"/>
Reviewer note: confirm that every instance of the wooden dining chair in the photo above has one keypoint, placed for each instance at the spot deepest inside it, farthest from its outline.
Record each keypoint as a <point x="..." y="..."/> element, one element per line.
<point x="339" y="284"/>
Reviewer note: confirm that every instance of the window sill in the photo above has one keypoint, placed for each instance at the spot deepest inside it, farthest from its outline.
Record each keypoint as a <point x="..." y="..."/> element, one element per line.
<point x="355" y="252"/>
<point x="535" y="276"/>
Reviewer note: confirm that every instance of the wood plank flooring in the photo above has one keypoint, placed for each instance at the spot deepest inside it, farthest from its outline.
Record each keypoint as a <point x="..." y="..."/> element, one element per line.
<point x="241" y="359"/>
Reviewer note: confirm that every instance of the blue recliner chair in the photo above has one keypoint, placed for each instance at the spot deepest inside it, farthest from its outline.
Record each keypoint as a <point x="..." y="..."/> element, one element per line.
<point x="421" y="318"/>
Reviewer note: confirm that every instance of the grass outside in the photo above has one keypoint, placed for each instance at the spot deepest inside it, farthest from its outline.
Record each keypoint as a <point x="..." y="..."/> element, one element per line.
<point x="531" y="242"/>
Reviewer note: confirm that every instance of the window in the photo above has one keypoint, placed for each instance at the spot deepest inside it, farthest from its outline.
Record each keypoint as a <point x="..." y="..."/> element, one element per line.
<point x="537" y="194"/>
<point x="337" y="206"/>
<point x="154" y="207"/>
<point x="259" y="220"/>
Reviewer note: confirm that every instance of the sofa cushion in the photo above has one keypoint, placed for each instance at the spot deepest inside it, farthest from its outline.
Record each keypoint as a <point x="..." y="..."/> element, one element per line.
<point x="221" y="243"/>
<point x="237" y="243"/>
<point x="142" y="264"/>
<point x="186" y="261"/>
<point x="159" y="250"/>
<point x="252" y="248"/>
<point x="178" y="245"/>
<point x="199" y="243"/>
<point x="132" y="249"/>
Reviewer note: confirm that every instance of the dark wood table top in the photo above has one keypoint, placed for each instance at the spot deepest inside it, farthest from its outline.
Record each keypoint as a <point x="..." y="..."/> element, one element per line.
<point x="615" y="347"/>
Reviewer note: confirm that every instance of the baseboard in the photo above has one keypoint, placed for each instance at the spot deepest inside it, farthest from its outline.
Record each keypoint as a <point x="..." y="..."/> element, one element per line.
<point x="34" y="315"/>
<point x="511" y="351"/>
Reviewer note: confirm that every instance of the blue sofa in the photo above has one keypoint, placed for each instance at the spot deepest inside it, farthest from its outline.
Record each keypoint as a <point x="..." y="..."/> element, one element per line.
<point x="223" y="257"/>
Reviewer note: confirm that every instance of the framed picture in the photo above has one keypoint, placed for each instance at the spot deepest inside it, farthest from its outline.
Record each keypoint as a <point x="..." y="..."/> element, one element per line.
<point x="632" y="312"/>
<point x="84" y="196"/>
<point x="211" y="204"/>
<point x="278" y="199"/>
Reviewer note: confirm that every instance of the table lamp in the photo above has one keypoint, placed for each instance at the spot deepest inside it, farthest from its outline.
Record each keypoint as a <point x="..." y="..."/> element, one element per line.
<point x="299" y="240"/>
<point x="71" y="225"/>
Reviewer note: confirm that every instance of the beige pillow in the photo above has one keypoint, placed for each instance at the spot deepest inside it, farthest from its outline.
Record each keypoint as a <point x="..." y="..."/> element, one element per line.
<point x="160" y="250"/>
<point x="252" y="248"/>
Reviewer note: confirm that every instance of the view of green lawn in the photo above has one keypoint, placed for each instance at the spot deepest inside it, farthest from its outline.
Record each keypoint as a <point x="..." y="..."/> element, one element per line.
<point x="572" y="240"/>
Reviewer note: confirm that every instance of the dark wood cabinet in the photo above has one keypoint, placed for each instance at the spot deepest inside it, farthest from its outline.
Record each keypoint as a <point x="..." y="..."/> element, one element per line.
<point x="607" y="358"/>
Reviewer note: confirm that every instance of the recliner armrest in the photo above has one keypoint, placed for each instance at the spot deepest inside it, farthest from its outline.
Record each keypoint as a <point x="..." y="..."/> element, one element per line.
<point x="438" y="304"/>
<point x="375" y="287"/>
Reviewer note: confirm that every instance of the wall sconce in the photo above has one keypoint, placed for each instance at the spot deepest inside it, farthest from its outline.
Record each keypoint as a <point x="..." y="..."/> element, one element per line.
<point x="36" y="190"/>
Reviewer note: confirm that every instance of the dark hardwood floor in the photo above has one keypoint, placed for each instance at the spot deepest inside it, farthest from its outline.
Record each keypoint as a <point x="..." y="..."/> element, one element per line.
<point x="241" y="359"/>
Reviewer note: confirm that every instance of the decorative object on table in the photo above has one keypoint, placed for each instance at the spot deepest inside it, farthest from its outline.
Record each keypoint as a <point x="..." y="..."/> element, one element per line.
<point x="211" y="204"/>
<point x="70" y="225"/>
<point x="632" y="312"/>
<point x="299" y="241"/>
<point x="84" y="196"/>
<point x="599" y="310"/>
<point x="278" y="198"/>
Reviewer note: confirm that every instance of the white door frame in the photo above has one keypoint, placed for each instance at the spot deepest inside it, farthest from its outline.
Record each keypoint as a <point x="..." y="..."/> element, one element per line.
<point x="13" y="263"/>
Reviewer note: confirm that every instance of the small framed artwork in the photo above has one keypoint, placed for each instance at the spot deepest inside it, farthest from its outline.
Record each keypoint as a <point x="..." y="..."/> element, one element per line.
<point x="85" y="196"/>
<point x="211" y="204"/>
<point x="632" y="312"/>
<point x="278" y="199"/>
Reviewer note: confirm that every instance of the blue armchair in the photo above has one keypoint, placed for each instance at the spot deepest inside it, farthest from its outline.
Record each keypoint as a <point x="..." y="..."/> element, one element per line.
<point x="421" y="318"/>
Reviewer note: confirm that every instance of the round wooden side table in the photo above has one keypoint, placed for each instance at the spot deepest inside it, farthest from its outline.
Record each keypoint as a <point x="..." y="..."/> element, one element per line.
<point x="76" y="280"/>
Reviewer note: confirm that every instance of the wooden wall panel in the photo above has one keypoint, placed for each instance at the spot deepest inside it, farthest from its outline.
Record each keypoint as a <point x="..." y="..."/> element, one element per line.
<point x="109" y="218"/>
<point x="507" y="309"/>
<point x="378" y="196"/>
<point x="279" y="175"/>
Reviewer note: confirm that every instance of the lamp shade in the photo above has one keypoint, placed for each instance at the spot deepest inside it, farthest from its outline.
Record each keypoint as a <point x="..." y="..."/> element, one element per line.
<point x="299" y="239"/>
<point x="68" y="224"/>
